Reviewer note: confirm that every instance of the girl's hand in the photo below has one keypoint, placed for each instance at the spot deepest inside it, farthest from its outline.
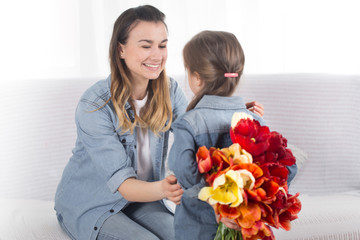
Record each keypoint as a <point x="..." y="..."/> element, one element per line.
<point x="230" y="223"/>
<point x="255" y="107"/>
<point x="171" y="189"/>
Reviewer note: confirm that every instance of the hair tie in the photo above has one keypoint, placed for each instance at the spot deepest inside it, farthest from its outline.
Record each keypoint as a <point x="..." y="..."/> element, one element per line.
<point x="231" y="74"/>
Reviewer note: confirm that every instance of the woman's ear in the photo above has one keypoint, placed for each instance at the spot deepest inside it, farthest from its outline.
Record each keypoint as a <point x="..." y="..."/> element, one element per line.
<point x="121" y="51"/>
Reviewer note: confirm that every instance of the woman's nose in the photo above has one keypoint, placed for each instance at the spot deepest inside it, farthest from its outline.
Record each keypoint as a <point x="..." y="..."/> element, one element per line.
<point x="157" y="54"/>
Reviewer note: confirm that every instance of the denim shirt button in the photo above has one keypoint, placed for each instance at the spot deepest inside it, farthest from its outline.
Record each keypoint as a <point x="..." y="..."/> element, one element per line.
<point x="111" y="210"/>
<point x="135" y="146"/>
<point x="95" y="228"/>
<point x="123" y="141"/>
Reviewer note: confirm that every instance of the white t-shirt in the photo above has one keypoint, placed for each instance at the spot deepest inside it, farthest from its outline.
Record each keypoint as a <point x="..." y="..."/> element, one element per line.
<point x="144" y="163"/>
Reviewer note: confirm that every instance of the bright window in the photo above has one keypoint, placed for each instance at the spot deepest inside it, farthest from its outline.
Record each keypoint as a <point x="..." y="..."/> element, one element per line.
<point x="70" y="38"/>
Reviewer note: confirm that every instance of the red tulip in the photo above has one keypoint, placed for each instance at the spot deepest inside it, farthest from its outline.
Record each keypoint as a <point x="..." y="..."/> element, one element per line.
<point x="251" y="136"/>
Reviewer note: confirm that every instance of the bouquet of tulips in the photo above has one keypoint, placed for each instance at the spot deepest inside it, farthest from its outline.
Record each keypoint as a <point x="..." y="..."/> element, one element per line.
<point x="248" y="181"/>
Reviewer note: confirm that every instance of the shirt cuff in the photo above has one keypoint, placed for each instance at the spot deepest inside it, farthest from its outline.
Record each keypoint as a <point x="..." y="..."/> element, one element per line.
<point x="119" y="177"/>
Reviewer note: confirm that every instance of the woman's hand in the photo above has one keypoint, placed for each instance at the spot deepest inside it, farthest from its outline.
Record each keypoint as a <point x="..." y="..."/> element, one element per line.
<point x="171" y="189"/>
<point x="255" y="107"/>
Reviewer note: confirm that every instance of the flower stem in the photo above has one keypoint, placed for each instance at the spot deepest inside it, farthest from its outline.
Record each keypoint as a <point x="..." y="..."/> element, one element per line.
<point x="225" y="233"/>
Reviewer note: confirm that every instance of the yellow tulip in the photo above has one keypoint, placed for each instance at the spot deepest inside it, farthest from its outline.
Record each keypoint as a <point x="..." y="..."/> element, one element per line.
<point x="227" y="188"/>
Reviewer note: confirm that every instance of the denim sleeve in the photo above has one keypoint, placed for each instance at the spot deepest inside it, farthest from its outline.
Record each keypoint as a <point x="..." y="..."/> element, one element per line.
<point x="182" y="158"/>
<point x="97" y="133"/>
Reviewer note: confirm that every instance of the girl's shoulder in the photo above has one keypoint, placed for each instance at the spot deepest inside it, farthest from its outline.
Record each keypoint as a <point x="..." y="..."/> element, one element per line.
<point x="193" y="121"/>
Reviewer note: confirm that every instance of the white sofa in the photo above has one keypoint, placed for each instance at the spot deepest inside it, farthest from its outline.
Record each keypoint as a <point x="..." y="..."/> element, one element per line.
<point x="319" y="114"/>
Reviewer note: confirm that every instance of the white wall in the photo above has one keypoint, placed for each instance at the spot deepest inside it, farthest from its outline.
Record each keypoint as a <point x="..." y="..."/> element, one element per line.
<point x="69" y="38"/>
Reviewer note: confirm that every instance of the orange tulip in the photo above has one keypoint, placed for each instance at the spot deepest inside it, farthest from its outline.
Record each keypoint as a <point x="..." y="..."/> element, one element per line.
<point x="203" y="159"/>
<point x="249" y="214"/>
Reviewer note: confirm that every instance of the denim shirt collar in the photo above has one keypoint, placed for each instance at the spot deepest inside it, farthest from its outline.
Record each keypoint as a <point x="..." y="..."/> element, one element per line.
<point x="220" y="102"/>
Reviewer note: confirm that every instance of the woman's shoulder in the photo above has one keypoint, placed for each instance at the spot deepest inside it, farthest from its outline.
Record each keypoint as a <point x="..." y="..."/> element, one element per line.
<point x="94" y="107"/>
<point x="178" y="98"/>
<point x="98" y="93"/>
<point x="99" y="88"/>
<point x="174" y="85"/>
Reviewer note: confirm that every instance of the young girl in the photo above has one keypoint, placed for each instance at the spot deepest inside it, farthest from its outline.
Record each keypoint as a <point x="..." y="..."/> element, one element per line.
<point x="214" y="61"/>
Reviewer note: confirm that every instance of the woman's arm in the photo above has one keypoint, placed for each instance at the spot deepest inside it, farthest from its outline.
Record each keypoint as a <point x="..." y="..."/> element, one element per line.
<point x="141" y="191"/>
<point x="255" y="107"/>
<point x="135" y="190"/>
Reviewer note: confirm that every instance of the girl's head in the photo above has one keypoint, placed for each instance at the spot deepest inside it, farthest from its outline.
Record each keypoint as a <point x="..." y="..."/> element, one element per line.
<point x="138" y="54"/>
<point x="207" y="57"/>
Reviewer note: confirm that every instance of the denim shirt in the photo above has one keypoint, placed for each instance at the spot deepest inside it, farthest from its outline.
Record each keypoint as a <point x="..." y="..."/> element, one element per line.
<point x="102" y="159"/>
<point x="208" y="124"/>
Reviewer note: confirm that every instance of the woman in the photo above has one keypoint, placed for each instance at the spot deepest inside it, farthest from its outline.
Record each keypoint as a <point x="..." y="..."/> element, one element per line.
<point x="112" y="185"/>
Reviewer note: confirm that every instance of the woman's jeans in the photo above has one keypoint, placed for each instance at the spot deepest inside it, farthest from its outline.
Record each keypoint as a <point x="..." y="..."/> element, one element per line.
<point x="146" y="221"/>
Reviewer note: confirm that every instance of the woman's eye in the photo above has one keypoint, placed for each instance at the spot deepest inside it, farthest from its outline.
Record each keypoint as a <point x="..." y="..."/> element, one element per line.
<point x="145" y="46"/>
<point x="162" y="46"/>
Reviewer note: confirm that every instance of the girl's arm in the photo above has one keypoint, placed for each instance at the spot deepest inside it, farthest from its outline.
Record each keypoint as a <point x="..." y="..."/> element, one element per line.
<point x="135" y="190"/>
<point x="182" y="158"/>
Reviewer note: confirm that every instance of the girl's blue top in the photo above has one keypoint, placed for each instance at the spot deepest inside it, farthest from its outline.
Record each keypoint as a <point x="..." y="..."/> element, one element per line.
<point x="208" y="124"/>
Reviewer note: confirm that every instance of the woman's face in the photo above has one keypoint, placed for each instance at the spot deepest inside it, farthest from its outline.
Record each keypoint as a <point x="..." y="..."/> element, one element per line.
<point x="145" y="52"/>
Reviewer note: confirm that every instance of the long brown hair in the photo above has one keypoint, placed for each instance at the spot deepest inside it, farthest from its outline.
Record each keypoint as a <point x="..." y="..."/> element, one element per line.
<point x="157" y="110"/>
<point x="210" y="54"/>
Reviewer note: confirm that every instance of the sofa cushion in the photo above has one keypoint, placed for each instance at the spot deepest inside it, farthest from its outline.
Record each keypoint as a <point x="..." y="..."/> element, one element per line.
<point x="29" y="219"/>
<point x="320" y="114"/>
<point x="335" y="217"/>
<point x="38" y="132"/>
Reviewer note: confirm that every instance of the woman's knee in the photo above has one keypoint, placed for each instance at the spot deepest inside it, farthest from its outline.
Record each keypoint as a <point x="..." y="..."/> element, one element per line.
<point x="154" y="217"/>
<point x="126" y="236"/>
<point x="121" y="227"/>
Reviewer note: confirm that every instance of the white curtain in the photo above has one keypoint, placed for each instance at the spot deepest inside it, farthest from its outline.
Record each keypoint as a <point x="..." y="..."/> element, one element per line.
<point x="70" y="38"/>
